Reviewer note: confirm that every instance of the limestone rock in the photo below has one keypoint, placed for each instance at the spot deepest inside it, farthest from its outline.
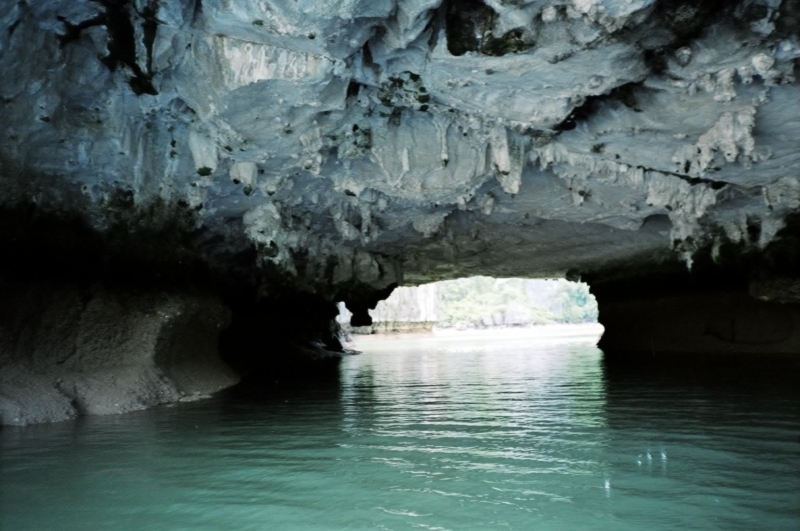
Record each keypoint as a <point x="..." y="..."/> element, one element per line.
<point x="348" y="147"/>
<point x="339" y="149"/>
<point x="66" y="352"/>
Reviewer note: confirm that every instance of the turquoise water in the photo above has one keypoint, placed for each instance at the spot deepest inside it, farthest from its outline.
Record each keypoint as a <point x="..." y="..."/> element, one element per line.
<point x="438" y="435"/>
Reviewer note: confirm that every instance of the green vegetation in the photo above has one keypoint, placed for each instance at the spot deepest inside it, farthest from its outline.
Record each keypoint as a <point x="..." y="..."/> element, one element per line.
<point x="578" y="305"/>
<point x="483" y="302"/>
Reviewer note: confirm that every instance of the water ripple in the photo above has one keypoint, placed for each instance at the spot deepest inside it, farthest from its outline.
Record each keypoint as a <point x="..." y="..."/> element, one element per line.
<point x="439" y="436"/>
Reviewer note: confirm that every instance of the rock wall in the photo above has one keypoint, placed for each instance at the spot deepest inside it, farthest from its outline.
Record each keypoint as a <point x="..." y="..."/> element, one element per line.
<point x="749" y="305"/>
<point x="724" y="322"/>
<point x="406" y="304"/>
<point x="67" y="351"/>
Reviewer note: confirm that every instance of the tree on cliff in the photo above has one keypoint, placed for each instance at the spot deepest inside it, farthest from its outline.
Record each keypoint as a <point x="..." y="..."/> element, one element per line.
<point x="578" y="305"/>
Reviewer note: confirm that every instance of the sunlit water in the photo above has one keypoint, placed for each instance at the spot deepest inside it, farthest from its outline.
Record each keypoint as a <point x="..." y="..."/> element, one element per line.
<point x="434" y="434"/>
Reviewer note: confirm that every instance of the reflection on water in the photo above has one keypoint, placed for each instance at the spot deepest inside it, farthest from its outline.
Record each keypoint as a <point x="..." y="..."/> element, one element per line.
<point x="434" y="434"/>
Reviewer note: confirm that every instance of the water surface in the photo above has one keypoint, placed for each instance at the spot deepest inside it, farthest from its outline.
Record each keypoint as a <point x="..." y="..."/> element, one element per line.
<point x="444" y="434"/>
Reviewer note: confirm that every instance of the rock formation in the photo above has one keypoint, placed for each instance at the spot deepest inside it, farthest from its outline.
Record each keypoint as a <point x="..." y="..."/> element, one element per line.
<point x="271" y="147"/>
<point x="408" y="309"/>
<point x="66" y="352"/>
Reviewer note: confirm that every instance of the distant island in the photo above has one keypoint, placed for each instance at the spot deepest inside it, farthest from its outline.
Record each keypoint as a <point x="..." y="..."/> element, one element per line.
<point x="479" y="303"/>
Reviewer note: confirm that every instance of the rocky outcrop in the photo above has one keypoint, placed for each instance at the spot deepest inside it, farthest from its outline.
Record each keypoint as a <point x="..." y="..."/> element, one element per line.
<point x="66" y="351"/>
<point x="747" y="306"/>
<point x="415" y="304"/>
<point x="408" y="310"/>
<point x="721" y="322"/>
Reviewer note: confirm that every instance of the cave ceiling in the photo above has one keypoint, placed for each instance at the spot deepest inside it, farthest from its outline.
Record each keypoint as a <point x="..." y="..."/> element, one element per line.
<point x="375" y="142"/>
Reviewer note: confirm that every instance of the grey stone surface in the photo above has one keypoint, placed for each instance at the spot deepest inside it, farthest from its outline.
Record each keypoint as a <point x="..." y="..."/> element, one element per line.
<point x="725" y="322"/>
<point x="400" y="141"/>
<point x="66" y="352"/>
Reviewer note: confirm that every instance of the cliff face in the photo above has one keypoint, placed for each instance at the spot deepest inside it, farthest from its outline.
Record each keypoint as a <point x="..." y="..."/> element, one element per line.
<point x="407" y="304"/>
<point x="341" y="148"/>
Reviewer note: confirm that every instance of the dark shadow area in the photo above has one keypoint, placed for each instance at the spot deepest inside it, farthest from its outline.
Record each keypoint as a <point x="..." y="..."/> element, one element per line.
<point x="265" y="387"/>
<point x="153" y="246"/>
<point x="471" y="28"/>
<point x="736" y="299"/>
<point x="723" y="372"/>
<point x="732" y="266"/>
<point x="286" y="337"/>
<point x="708" y="388"/>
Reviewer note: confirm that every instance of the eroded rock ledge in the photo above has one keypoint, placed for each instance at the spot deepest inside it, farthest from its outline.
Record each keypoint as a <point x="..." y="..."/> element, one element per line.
<point x="260" y="149"/>
<point x="66" y="351"/>
<point x="748" y="304"/>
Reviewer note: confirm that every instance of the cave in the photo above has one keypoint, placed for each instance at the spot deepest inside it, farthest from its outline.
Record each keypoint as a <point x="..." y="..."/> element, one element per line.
<point x="207" y="206"/>
<point x="182" y="181"/>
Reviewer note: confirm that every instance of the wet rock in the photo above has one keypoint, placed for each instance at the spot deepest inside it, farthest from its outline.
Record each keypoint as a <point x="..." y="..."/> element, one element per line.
<point x="67" y="351"/>
<point x="722" y="322"/>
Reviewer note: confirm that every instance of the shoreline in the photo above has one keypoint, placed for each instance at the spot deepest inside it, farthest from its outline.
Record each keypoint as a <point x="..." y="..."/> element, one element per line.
<point x="548" y="331"/>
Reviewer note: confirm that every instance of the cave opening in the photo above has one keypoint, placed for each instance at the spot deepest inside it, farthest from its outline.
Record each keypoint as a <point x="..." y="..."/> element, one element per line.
<point x="478" y="303"/>
<point x="238" y="242"/>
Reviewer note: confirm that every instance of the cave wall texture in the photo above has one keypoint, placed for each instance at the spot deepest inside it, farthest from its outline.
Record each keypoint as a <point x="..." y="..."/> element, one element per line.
<point x="66" y="351"/>
<point x="264" y="148"/>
